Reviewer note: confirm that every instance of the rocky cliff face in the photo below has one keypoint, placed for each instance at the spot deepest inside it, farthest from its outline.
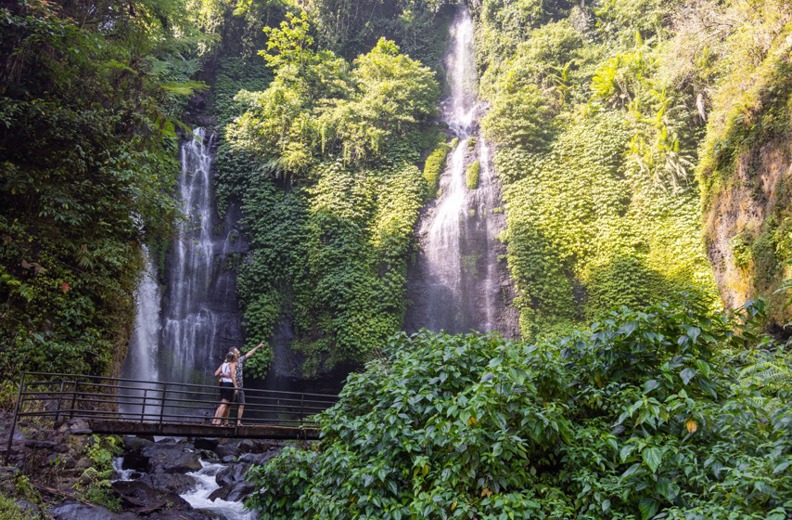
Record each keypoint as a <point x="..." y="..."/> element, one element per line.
<point x="748" y="225"/>
<point x="745" y="170"/>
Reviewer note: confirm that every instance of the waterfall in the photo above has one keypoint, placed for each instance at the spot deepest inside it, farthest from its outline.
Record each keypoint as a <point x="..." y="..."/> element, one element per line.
<point x="140" y="361"/>
<point x="455" y="283"/>
<point x="183" y="334"/>
<point x="200" y="316"/>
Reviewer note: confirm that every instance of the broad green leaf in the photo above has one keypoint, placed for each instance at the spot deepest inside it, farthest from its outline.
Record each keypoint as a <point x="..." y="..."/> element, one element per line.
<point x="652" y="458"/>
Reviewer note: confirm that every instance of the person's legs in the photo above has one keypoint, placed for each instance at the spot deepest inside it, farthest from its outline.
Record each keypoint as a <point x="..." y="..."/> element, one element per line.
<point x="240" y="406"/>
<point x="221" y="412"/>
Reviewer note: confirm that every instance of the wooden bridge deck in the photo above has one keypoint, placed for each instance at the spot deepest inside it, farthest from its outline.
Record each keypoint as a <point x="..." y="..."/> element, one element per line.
<point x="125" y="406"/>
<point x="246" y="431"/>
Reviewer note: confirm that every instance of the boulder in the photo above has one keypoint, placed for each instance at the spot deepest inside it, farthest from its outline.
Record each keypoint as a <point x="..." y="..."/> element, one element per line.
<point x="233" y="492"/>
<point x="78" y="511"/>
<point x="161" y="458"/>
<point x="132" y="443"/>
<point x="227" y="448"/>
<point x="171" y="459"/>
<point x="139" y="497"/>
<point x="8" y="476"/>
<point x="251" y="446"/>
<point x="172" y="483"/>
<point x="231" y="474"/>
<point x="257" y="459"/>
<point x="205" y="444"/>
<point x="135" y="460"/>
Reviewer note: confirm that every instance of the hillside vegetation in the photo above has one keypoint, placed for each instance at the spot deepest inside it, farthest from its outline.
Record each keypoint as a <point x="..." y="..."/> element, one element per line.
<point x="621" y="110"/>
<point x="325" y="164"/>
<point x="89" y="94"/>
<point x="643" y="148"/>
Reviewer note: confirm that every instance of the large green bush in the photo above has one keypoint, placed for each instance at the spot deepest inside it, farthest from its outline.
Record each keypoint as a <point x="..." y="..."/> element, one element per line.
<point x="672" y="411"/>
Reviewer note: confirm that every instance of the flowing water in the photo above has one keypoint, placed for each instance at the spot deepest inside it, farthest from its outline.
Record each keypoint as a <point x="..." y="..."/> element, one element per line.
<point x="457" y="284"/>
<point x="200" y="315"/>
<point x="140" y="361"/>
<point x="182" y="335"/>
<point x="198" y="497"/>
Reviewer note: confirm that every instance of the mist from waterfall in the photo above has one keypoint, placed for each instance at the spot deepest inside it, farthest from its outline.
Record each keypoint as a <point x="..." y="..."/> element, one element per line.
<point x="140" y="363"/>
<point x="455" y="284"/>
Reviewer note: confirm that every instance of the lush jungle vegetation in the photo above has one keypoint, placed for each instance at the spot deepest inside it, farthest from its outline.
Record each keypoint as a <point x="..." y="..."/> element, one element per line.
<point x="619" y="127"/>
<point x="621" y="112"/>
<point x="330" y="190"/>
<point x="642" y="145"/>
<point x="670" y="412"/>
<point x="89" y="94"/>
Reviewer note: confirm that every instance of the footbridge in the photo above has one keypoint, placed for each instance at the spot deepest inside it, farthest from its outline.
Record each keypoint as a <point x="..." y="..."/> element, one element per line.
<point x="125" y="406"/>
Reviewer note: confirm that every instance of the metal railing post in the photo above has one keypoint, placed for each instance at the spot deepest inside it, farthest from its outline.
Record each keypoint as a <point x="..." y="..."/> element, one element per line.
<point x="60" y="401"/>
<point x="16" y="416"/>
<point x="143" y="407"/>
<point x="162" y="405"/>
<point x="74" y="399"/>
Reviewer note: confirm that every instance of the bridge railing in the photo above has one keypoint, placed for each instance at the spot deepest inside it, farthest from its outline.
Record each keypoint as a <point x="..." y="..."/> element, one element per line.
<point x="96" y="398"/>
<point x="64" y="396"/>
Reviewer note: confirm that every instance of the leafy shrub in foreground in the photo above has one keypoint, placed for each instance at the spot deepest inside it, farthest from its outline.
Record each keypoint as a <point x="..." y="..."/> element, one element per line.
<point x="656" y="414"/>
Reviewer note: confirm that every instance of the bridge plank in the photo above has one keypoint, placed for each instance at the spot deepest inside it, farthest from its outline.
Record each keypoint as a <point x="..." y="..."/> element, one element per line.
<point x="253" y="431"/>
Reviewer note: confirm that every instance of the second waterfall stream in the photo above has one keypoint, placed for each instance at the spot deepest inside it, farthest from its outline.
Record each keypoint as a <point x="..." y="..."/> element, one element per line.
<point x="455" y="284"/>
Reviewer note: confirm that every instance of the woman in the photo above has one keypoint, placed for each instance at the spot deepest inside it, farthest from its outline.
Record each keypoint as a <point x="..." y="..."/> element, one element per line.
<point x="228" y="386"/>
<point x="239" y="361"/>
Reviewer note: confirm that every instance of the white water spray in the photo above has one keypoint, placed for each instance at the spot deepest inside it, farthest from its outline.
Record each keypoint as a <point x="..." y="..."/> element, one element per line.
<point x="140" y="363"/>
<point x="198" y="497"/>
<point x="200" y="318"/>
<point x="457" y="287"/>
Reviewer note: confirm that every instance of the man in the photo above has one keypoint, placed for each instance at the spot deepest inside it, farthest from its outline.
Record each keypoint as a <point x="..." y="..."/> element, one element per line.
<point x="240" y="363"/>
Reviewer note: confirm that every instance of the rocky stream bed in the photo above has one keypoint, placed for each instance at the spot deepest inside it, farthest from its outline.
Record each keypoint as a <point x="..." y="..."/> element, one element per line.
<point x="51" y="468"/>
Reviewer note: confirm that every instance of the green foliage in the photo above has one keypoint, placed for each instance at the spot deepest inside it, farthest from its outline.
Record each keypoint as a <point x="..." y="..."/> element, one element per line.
<point x="749" y="73"/>
<point x="94" y="483"/>
<point x="9" y="510"/>
<point x="618" y="80"/>
<point x="472" y="175"/>
<point x="656" y="412"/>
<point x="434" y="166"/>
<point x="87" y="154"/>
<point x="318" y="106"/>
<point x="322" y="163"/>
<point x="330" y="257"/>
<point x="350" y="27"/>
<point x="8" y="394"/>
<point x="741" y="247"/>
<point x="520" y="118"/>
<point x="597" y="137"/>
<point x="632" y="19"/>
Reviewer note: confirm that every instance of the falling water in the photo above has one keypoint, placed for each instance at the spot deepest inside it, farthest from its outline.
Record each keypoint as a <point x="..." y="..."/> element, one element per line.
<point x="455" y="282"/>
<point x="140" y="361"/>
<point x="200" y="314"/>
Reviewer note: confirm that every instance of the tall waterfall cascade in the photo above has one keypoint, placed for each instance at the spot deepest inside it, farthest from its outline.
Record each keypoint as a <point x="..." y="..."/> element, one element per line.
<point x="200" y="318"/>
<point x="182" y="333"/>
<point x="456" y="284"/>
